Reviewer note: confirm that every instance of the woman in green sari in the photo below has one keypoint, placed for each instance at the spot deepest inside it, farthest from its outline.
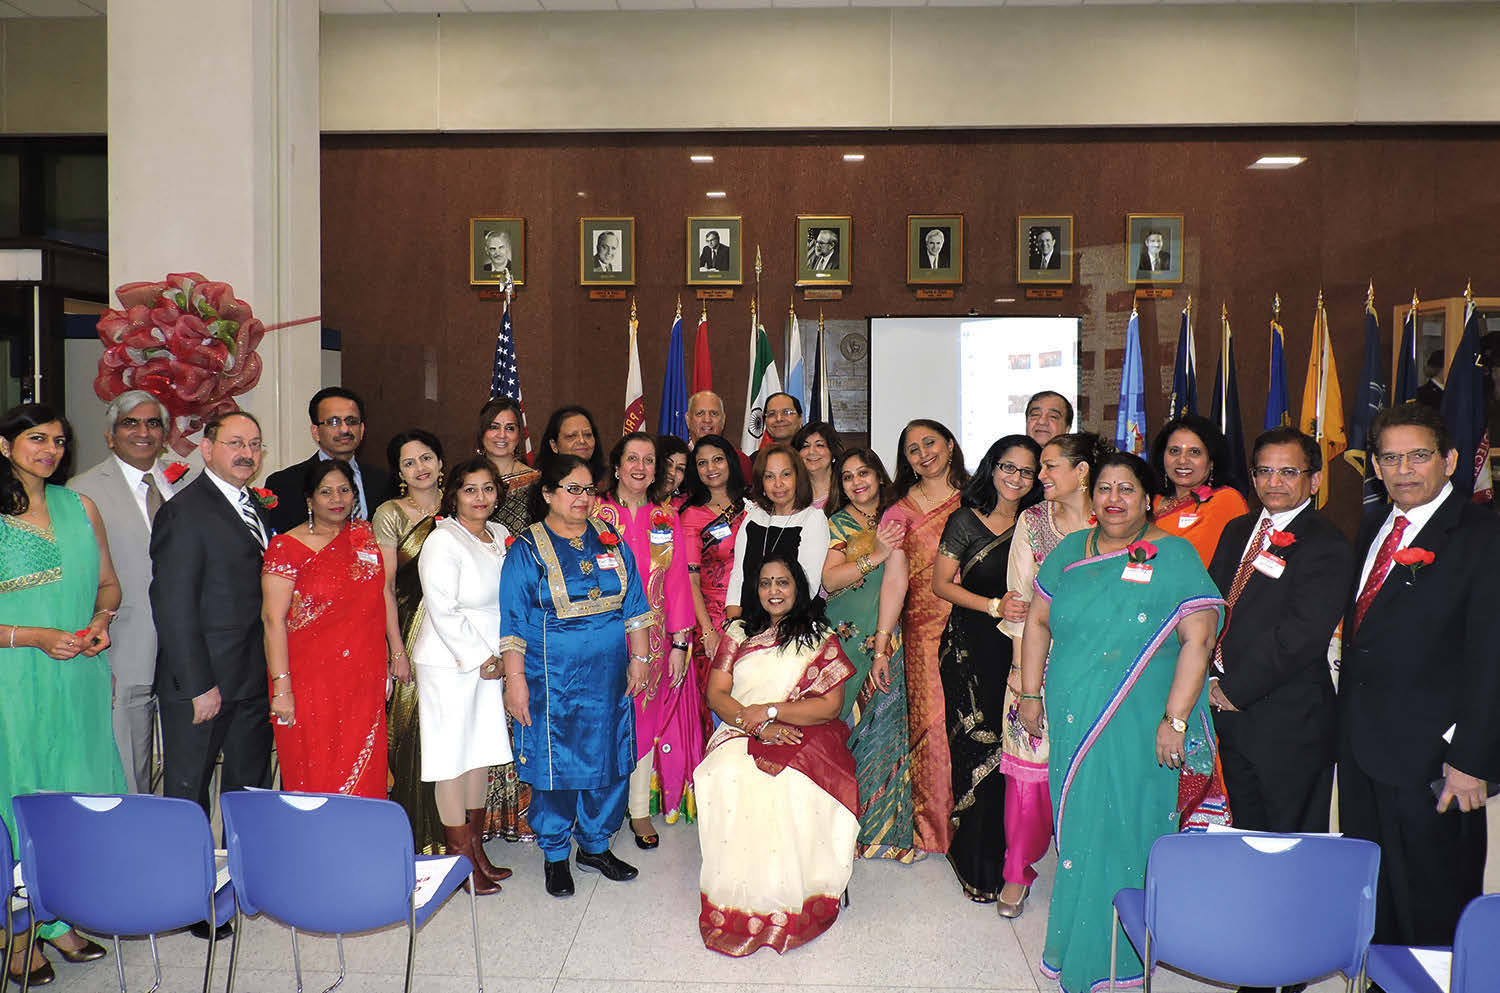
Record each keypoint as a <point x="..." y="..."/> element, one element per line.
<point x="1131" y="617"/>
<point x="58" y="594"/>
<point x="863" y="560"/>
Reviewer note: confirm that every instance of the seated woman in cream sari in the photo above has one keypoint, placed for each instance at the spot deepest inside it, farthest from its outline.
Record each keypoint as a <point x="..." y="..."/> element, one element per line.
<point x="778" y="800"/>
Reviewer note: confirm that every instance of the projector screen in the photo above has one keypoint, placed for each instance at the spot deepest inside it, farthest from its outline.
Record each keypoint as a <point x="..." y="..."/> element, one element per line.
<point x="973" y="374"/>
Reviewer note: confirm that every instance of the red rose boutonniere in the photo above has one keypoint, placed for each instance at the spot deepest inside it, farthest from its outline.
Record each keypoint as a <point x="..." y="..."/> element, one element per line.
<point x="1282" y="539"/>
<point x="510" y="539"/>
<point x="1202" y="493"/>
<point x="175" y="471"/>
<point x="1414" y="558"/>
<point x="1140" y="551"/>
<point x="266" y="498"/>
<point x="609" y="539"/>
<point x="661" y="520"/>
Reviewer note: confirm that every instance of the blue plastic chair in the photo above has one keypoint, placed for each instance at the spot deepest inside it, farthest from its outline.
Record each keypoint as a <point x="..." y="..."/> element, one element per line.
<point x="290" y="857"/>
<point x="16" y="918"/>
<point x="1253" y="909"/>
<point x="126" y="865"/>
<point x="1476" y="955"/>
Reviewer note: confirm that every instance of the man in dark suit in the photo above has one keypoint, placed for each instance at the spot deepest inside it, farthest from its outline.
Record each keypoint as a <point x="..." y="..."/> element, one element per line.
<point x="714" y="257"/>
<point x="1043" y="254"/>
<point x="1155" y="256"/>
<point x="338" y="427"/>
<point x="823" y="250"/>
<point x="1419" y="739"/>
<point x="1431" y="392"/>
<point x="935" y="251"/>
<point x="206" y="548"/>
<point x="1286" y="574"/>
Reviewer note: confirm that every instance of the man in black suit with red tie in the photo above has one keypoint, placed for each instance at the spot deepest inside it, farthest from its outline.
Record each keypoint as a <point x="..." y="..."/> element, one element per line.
<point x="1419" y="735"/>
<point x="1286" y="574"/>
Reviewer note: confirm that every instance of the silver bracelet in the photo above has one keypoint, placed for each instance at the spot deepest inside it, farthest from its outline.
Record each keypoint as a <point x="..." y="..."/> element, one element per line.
<point x="13" y="636"/>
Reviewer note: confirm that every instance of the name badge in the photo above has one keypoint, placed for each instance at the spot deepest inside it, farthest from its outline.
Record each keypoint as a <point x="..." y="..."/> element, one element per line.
<point x="1269" y="565"/>
<point x="1137" y="572"/>
<point x="720" y="531"/>
<point x="1186" y="521"/>
<point x="661" y="536"/>
<point x="606" y="561"/>
<point x="366" y="555"/>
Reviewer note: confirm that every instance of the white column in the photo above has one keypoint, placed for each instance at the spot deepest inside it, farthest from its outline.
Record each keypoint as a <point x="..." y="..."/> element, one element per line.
<point x="213" y="167"/>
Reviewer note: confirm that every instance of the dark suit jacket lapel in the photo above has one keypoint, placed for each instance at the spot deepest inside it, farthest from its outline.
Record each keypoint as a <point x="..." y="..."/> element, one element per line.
<point x="227" y="513"/>
<point x="1259" y="581"/>
<point x="1434" y="537"/>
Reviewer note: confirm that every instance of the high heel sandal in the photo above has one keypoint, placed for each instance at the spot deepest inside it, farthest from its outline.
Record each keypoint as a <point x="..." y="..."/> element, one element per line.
<point x="1010" y="911"/>
<point x="645" y="842"/>
<point x="91" y="950"/>
<point x="40" y="976"/>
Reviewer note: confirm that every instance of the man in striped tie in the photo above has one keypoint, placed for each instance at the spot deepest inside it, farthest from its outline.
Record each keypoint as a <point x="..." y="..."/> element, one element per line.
<point x="207" y="543"/>
<point x="1419" y="687"/>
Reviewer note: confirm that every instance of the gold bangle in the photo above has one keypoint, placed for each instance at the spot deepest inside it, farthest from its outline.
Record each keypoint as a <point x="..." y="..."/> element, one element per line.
<point x="284" y="675"/>
<point x="864" y="565"/>
<point x="282" y="694"/>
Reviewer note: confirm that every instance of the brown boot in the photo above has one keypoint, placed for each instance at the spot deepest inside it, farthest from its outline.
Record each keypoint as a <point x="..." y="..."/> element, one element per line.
<point x="461" y="842"/>
<point x="476" y="828"/>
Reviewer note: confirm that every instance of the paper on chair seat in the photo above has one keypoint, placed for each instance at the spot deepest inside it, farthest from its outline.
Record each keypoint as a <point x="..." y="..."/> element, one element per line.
<point x="221" y="863"/>
<point x="18" y="899"/>
<point x="1436" y="963"/>
<point x="429" y="874"/>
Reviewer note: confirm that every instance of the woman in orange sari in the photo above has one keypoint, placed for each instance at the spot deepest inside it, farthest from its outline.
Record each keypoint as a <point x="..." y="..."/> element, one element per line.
<point x="929" y="478"/>
<point x="1190" y="457"/>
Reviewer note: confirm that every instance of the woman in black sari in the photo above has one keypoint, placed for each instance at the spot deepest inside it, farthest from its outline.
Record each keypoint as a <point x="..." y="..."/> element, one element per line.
<point x="974" y="654"/>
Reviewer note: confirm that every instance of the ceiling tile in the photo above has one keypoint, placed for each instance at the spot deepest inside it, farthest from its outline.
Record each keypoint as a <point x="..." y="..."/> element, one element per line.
<point x="809" y="3"/>
<point x="656" y="4"/>
<point x="566" y="5"/>
<point x="731" y="4"/>
<point x="428" y="6"/>
<point x="889" y="3"/>
<point x="354" y="7"/>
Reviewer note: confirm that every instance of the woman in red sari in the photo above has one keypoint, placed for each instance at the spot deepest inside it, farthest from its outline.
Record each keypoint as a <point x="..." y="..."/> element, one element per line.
<point x="329" y="618"/>
<point x="929" y="478"/>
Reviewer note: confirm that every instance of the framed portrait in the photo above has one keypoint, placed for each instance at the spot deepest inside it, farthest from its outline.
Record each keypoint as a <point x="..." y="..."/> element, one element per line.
<point x="825" y="250"/>
<point x="715" y="252"/>
<point x="497" y="244"/>
<point x="1153" y="248"/>
<point x="1044" y="248"/>
<point x="934" y="249"/>
<point x="606" y="251"/>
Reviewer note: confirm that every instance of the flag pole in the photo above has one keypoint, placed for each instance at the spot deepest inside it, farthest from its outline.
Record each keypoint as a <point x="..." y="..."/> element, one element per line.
<point x="1224" y="364"/>
<point x="758" y="268"/>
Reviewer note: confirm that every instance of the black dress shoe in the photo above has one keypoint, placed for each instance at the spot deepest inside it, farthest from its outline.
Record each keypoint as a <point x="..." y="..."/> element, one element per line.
<point x="559" y="878"/>
<point x="607" y="865"/>
<point x="200" y="930"/>
<point x="90" y="951"/>
<point x="40" y="976"/>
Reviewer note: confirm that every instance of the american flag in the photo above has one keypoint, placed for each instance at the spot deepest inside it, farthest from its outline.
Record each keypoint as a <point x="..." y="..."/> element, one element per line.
<point x="506" y="381"/>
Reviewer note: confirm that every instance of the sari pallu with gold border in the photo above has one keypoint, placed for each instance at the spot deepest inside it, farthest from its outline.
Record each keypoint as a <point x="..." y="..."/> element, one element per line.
<point x="1114" y="656"/>
<point x="777" y="823"/>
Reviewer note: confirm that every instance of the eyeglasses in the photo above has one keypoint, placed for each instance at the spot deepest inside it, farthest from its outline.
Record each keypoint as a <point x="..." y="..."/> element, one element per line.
<point x="782" y="412"/>
<point x="239" y="445"/>
<point x="1416" y="457"/>
<point x="1286" y="473"/>
<point x="337" y="422"/>
<point x="578" y="489"/>
<point x="130" y="423"/>
<point x="1011" y="469"/>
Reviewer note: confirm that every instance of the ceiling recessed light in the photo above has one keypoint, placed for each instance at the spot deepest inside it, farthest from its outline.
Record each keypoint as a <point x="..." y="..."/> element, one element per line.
<point x="717" y="194"/>
<point x="1005" y="299"/>
<point x="1278" y="161"/>
<point x="854" y="156"/>
<point x="701" y="158"/>
<point x="582" y="194"/>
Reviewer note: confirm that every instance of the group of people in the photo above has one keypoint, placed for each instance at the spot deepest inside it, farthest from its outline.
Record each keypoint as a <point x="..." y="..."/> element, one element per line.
<point x="812" y="658"/>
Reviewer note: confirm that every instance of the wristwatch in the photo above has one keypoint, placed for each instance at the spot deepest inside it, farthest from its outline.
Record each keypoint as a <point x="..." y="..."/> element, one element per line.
<point x="1178" y="724"/>
<point x="771" y="712"/>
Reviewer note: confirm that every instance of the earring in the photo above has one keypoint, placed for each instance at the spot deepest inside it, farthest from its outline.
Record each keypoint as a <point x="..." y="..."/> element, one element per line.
<point x="309" y="519"/>
<point x="403" y="487"/>
<point x="440" y="479"/>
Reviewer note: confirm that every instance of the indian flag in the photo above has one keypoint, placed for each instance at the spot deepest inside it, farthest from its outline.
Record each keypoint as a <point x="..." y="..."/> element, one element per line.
<point x="763" y="382"/>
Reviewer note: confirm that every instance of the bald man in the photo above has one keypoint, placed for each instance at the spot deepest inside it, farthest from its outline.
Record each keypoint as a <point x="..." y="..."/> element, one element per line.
<point x="705" y="416"/>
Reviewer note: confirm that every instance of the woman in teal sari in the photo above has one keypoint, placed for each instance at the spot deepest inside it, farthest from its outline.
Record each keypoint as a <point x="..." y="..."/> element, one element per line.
<point x="864" y="559"/>
<point x="1131" y="617"/>
<point x="58" y="594"/>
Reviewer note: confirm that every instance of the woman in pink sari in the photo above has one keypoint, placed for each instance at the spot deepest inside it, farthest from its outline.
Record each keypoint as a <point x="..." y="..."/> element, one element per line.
<point x="668" y="726"/>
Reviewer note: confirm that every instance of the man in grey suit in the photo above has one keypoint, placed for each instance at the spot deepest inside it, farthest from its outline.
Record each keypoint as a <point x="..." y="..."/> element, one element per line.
<point x="128" y="487"/>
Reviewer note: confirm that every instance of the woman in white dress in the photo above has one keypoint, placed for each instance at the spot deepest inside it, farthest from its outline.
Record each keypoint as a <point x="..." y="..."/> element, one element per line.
<point x="460" y="700"/>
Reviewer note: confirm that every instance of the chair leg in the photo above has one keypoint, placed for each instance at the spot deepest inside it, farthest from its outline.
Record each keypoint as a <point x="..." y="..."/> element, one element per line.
<point x="411" y="942"/>
<point x="339" y="940"/>
<point x="296" y="960"/>
<point x="213" y="944"/>
<point x="155" y="964"/>
<point x="234" y="945"/>
<point x="474" y="917"/>
<point x="119" y="964"/>
<point x="1146" y="963"/>
<point x="30" y="951"/>
<point x="1114" y="941"/>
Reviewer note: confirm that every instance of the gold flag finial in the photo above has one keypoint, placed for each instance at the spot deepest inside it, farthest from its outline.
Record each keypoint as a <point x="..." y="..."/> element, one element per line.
<point x="752" y="312"/>
<point x="1320" y="298"/>
<point x="1189" y="308"/>
<point x="1469" y="292"/>
<point x="1370" y="295"/>
<point x="704" y="301"/>
<point x="1133" y="312"/>
<point x="679" y="306"/>
<point x="758" y="266"/>
<point x="1223" y="311"/>
<point x="791" y="304"/>
<point x="1276" y="307"/>
<point x="820" y="319"/>
<point x="1414" y="303"/>
<point x="632" y="309"/>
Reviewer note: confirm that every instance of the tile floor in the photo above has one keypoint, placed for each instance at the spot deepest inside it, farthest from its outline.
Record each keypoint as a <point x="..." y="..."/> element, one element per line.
<point x="909" y="928"/>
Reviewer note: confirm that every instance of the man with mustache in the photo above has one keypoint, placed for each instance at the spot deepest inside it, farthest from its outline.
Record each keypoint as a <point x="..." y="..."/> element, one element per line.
<point x="338" y="427"/>
<point x="207" y="544"/>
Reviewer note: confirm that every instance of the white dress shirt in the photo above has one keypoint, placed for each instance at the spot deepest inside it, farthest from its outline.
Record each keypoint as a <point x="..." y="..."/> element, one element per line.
<point x="135" y="482"/>
<point x="1279" y="522"/>
<point x="234" y="495"/>
<point x="1417" y="518"/>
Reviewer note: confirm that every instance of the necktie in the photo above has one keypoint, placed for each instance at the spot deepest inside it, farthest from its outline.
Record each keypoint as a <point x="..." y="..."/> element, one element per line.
<point x="252" y="519"/>
<point x="1241" y="577"/>
<point x="153" y="497"/>
<point x="1380" y="570"/>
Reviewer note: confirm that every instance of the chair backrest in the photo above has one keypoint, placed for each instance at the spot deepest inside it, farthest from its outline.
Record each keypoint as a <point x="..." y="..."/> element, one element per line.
<point x="320" y="861"/>
<point x="128" y="865"/>
<point x="1476" y="946"/>
<point x="1261" y="909"/>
